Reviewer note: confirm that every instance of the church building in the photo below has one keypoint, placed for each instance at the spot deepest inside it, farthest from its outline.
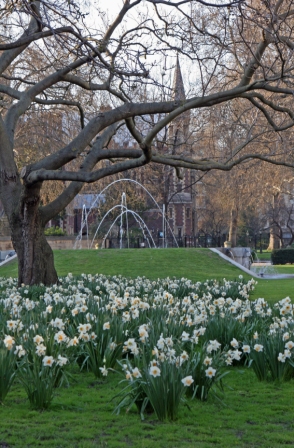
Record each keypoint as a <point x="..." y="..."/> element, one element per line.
<point x="186" y="197"/>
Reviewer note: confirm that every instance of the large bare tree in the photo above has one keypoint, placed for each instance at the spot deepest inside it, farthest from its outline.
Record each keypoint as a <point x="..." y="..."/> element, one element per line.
<point x="71" y="54"/>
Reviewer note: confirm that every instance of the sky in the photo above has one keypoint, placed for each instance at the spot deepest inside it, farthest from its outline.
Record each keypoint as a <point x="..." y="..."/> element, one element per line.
<point x="113" y="7"/>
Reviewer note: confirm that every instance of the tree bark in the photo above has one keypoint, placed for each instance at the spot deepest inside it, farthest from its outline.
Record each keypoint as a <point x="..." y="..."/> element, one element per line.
<point x="35" y="256"/>
<point x="274" y="242"/>
<point x="233" y="227"/>
<point x="35" y="259"/>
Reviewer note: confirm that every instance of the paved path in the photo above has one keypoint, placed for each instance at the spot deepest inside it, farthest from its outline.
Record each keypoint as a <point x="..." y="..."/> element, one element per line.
<point x="252" y="273"/>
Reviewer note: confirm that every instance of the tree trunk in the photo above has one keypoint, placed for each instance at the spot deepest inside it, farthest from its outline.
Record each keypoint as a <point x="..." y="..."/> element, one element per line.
<point x="35" y="259"/>
<point x="233" y="227"/>
<point x="274" y="242"/>
<point x="35" y="256"/>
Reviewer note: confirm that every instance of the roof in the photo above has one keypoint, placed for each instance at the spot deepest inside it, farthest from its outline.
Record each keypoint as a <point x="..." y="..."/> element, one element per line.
<point x="178" y="84"/>
<point x="88" y="200"/>
<point x="180" y="198"/>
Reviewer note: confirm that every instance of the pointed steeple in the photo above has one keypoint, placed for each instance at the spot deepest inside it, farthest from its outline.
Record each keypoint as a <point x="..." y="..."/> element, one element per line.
<point x="179" y="128"/>
<point x="178" y="85"/>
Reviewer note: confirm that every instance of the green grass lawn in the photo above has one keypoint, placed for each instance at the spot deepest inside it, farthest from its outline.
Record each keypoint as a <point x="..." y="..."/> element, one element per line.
<point x="264" y="255"/>
<point x="284" y="269"/>
<point x="250" y="414"/>
<point x="195" y="264"/>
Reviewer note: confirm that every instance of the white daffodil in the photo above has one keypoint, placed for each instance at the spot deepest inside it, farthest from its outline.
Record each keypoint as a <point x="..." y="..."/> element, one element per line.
<point x="103" y="370"/>
<point x="207" y="361"/>
<point x="9" y="342"/>
<point x="154" y="371"/>
<point x="136" y="373"/>
<point x="210" y="372"/>
<point x="48" y="361"/>
<point x="234" y="343"/>
<point x="246" y="348"/>
<point x="289" y="345"/>
<point x="187" y="381"/>
<point x="61" y="361"/>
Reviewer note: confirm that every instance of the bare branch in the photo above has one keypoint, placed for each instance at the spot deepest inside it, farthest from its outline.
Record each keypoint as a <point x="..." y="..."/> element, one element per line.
<point x="25" y="40"/>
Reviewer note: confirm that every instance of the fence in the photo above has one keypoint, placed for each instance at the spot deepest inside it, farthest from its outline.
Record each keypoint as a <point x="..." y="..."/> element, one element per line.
<point x="203" y="240"/>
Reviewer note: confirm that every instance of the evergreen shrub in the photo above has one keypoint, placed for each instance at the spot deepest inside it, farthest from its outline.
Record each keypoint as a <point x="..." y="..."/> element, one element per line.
<point x="282" y="256"/>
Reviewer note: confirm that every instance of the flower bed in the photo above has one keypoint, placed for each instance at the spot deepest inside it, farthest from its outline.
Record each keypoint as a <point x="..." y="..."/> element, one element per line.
<point x="167" y="340"/>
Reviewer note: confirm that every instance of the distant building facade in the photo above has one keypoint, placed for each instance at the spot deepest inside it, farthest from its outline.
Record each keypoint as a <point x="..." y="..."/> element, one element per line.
<point x="181" y="197"/>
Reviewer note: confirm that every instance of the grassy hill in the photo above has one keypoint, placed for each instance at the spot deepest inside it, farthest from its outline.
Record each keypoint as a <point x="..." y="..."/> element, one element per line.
<point x="195" y="264"/>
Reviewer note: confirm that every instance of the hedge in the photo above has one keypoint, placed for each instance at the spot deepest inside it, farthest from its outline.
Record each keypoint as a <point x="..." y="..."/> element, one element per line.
<point x="282" y="256"/>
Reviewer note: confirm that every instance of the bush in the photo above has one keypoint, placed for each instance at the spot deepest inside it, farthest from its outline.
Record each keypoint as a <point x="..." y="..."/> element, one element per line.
<point x="282" y="256"/>
<point x="54" y="231"/>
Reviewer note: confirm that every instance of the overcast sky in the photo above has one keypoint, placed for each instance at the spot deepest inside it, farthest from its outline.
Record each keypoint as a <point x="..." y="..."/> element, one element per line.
<point x="112" y="7"/>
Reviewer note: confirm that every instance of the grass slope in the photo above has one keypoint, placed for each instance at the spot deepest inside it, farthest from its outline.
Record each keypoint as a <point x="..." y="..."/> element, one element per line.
<point x="198" y="264"/>
<point x="195" y="264"/>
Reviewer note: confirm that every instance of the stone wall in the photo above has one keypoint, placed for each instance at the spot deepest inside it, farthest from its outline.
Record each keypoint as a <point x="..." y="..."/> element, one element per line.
<point x="241" y="255"/>
<point x="56" y="242"/>
<point x="5" y="243"/>
<point x="4" y="227"/>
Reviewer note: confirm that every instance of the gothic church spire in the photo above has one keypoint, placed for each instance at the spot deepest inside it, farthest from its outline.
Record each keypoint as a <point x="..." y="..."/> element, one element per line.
<point x="178" y="90"/>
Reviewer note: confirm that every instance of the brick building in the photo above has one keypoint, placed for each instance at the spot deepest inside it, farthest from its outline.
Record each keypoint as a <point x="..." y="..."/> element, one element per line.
<point x="180" y="196"/>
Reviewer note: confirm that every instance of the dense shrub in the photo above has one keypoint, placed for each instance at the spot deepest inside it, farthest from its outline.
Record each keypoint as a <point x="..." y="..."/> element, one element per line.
<point x="282" y="256"/>
<point x="54" y="231"/>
